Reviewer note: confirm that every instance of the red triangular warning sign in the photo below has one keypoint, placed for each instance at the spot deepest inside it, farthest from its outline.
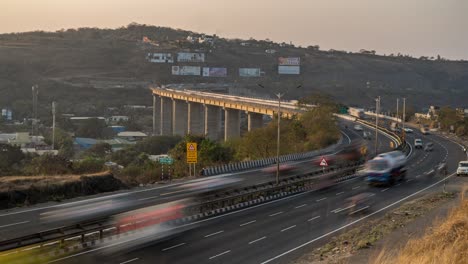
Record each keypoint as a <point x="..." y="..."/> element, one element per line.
<point x="191" y="147"/>
<point x="323" y="162"/>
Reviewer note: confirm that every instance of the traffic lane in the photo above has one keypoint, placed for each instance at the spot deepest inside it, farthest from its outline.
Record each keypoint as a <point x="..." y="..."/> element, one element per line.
<point x="222" y="227"/>
<point x="249" y="232"/>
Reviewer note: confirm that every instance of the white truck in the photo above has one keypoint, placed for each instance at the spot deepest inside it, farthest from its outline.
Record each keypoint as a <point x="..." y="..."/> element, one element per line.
<point x="386" y="168"/>
<point x="356" y="112"/>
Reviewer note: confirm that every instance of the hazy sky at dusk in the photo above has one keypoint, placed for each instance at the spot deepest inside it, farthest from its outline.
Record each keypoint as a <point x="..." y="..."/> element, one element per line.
<point x="416" y="27"/>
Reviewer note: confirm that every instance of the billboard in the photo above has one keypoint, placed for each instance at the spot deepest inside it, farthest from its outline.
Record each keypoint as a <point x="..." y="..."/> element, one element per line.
<point x="185" y="70"/>
<point x="214" y="72"/>
<point x="289" y="69"/>
<point x="160" y="57"/>
<point x="249" y="72"/>
<point x="190" y="57"/>
<point x="293" y="61"/>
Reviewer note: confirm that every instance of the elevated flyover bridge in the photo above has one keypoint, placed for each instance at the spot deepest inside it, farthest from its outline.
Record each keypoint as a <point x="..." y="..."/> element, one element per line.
<point x="180" y="112"/>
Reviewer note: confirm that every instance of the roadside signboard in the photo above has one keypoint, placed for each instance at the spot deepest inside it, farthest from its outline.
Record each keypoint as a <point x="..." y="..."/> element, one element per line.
<point x="323" y="162"/>
<point x="166" y="160"/>
<point x="192" y="152"/>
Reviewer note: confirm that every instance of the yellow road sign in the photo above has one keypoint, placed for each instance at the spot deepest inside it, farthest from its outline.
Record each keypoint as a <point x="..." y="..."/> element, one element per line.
<point x="192" y="152"/>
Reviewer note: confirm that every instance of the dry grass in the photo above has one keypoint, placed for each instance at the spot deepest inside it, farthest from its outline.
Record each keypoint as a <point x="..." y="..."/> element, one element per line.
<point x="447" y="243"/>
<point x="24" y="182"/>
<point x="341" y="247"/>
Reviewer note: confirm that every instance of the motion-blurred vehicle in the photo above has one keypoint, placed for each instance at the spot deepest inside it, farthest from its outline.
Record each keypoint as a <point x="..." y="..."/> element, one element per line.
<point x="429" y="147"/>
<point x="284" y="167"/>
<point x="386" y="168"/>
<point x="418" y="143"/>
<point x="358" y="127"/>
<point x="350" y="154"/>
<point x="424" y="130"/>
<point x="87" y="209"/>
<point x="208" y="185"/>
<point x="359" y="203"/>
<point x="150" y="225"/>
<point x="367" y="135"/>
<point x="462" y="168"/>
<point x="408" y="130"/>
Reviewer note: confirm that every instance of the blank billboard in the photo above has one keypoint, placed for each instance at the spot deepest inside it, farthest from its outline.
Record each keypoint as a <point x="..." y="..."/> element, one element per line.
<point x="214" y="72"/>
<point x="190" y="57"/>
<point x="292" y="61"/>
<point x="186" y="70"/>
<point x="289" y="69"/>
<point x="249" y="72"/>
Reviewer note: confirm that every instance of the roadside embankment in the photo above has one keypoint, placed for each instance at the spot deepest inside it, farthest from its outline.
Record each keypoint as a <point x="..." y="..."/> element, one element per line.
<point x="344" y="247"/>
<point x="27" y="190"/>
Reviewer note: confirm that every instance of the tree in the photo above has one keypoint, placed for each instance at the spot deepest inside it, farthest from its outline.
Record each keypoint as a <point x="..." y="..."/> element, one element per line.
<point x="10" y="159"/>
<point x="91" y="128"/>
<point x="98" y="150"/>
<point x="63" y="142"/>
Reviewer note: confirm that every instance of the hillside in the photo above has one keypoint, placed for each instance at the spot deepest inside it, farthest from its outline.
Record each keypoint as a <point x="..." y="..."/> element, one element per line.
<point x="88" y="69"/>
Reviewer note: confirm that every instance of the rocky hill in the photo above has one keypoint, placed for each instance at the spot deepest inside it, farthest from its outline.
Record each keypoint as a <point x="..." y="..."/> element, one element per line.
<point x="89" y="68"/>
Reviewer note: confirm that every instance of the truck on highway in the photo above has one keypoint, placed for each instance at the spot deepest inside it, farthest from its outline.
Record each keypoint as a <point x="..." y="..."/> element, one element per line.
<point x="356" y="112"/>
<point x="386" y="168"/>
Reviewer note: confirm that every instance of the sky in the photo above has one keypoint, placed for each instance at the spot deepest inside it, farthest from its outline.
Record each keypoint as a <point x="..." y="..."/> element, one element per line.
<point x="414" y="27"/>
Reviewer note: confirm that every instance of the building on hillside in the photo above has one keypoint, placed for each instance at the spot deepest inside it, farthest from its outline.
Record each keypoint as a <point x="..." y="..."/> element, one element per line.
<point x="118" y="129"/>
<point x="117" y="119"/>
<point x="78" y="120"/>
<point x="132" y="135"/>
<point x="81" y="144"/>
<point x="160" y="57"/>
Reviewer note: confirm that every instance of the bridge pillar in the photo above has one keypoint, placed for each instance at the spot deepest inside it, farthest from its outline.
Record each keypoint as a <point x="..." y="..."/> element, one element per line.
<point x="254" y="121"/>
<point x="212" y="121"/>
<point x="195" y="120"/>
<point x="156" y="115"/>
<point x="231" y="123"/>
<point x="165" y="123"/>
<point x="179" y="117"/>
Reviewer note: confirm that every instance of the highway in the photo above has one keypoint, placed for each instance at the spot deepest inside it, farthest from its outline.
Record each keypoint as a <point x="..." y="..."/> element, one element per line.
<point x="24" y="221"/>
<point x="282" y="230"/>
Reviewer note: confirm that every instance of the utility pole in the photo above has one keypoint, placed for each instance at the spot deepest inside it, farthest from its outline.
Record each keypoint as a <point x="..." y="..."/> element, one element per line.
<point x="397" y="102"/>
<point x="404" y="113"/>
<point x="377" y="109"/>
<point x="35" y="92"/>
<point x="53" y="125"/>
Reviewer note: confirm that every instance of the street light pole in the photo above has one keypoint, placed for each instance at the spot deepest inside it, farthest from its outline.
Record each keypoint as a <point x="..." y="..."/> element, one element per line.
<point x="279" y="95"/>
<point x="404" y="113"/>
<point x="377" y="109"/>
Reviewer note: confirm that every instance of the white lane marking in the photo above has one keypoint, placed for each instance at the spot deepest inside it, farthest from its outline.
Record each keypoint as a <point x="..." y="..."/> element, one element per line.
<point x="220" y="254"/>
<point x="169" y="193"/>
<point x="385" y="190"/>
<point x="349" y="139"/>
<point x="287" y="228"/>
<point x="339" y="193"/>
<point x="248" y="223"/>
<point x="358" y="210"/>
<point x="276" y="213"/>
<point x="19" y="223"/>
<point x="397" y="184"/>
<point x="147" y="198"/>
<point x="128" y="261"/>
<point x="169" y="248"/>
<point x="409" y="180"/>
<point x="214" y="234"/>
<point x="321" y="199"/>
<point x="256" y="240"/>
<point x="313" y="218"/>
<point x="356" y="187"/>
<point x="299" y="206"/>
<point x="337" y="210"/>
<point x="355" y="221"/>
